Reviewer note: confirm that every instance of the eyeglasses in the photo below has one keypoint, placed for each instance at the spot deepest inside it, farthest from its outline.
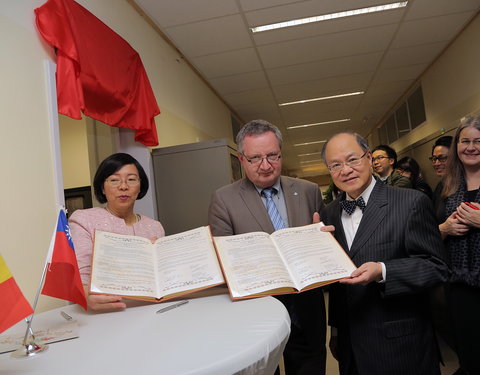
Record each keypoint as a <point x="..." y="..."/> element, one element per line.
<point x="257" y="160"/>
<point x="352" y="162"/>
<point x="379" y="158"/>
<point x="441" y="159"/>
<point x="467" y="142"/>
<point x="116" y="182"/>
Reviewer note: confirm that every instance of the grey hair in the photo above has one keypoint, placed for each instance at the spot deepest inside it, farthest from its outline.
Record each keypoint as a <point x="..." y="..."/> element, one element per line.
<point x="257" y="127"/>
<point x="360" y="140"/>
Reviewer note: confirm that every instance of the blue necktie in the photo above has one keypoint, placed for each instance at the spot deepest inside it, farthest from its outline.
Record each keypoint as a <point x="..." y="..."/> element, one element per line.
<point x="350" y="206"/>
<point x="272" y="209"/>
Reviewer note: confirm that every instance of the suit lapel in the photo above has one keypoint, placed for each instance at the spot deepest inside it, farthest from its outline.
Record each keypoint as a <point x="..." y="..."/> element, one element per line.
<point x="374" y="214"/>
<point x="337" y="222"/>
<point x="254" y="204"/>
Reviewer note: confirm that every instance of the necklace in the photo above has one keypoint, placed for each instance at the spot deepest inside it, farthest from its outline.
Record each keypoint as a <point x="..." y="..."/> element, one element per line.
<point x="135" y="220"/>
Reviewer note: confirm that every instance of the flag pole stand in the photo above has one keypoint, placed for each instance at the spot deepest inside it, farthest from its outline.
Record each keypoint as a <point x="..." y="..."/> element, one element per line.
<point x="29" y="348"/>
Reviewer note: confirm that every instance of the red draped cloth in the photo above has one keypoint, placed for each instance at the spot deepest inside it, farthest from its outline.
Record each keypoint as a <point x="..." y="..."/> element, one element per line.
<point x="98" y="72"/>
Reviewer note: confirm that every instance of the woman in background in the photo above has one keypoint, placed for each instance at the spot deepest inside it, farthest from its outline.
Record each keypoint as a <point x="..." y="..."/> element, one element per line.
<point x="408" y="167"/>
<point x="119" y="181"/>
<point x="439" y="161"/>
<point x="461" y="231"/>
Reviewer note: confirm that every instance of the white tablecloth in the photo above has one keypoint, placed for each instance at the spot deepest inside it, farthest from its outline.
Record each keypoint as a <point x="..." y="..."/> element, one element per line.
<point x="210" y="336"/>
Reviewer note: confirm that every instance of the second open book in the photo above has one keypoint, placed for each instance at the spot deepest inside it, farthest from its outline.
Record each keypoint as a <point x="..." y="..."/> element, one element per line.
<point x="254" y="264"/>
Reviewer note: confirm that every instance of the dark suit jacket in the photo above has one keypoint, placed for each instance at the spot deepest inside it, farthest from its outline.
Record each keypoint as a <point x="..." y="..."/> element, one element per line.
<point x="385" y="328"/>
<point x="238" y="208"/>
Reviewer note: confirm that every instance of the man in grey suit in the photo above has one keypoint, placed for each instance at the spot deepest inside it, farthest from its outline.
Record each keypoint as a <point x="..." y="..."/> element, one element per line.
<point x="265" y="201"/>
<point x="381" y="312"/>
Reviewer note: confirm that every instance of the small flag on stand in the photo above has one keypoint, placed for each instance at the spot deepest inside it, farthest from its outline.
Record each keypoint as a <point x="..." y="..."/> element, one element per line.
<point x="13" y="305"/>
<point x="62" y="278"/>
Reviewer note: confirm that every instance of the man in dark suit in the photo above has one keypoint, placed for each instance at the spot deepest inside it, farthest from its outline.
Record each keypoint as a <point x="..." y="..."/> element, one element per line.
<point x="381" y="312"/>
<point x="246" y="206"/>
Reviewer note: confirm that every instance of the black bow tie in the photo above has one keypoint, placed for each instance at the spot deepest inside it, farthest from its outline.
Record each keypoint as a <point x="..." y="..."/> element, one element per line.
<point x="349" y="206"/>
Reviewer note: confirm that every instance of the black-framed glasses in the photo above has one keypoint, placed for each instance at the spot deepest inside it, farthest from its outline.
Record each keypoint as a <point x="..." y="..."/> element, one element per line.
<point x="352" y="162"/>
<point x="440" y="158"/>
<point x="116" y="182"/>
<point x="257" y="160"/>
<point x="379" y="158"/>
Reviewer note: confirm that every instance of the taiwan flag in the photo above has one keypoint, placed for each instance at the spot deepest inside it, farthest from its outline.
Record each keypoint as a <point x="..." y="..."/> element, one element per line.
<point x="13" y="305"/>
<point x="62" y="278"/>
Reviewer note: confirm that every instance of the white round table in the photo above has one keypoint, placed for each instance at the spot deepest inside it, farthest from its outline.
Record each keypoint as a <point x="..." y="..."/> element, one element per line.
<point x="209" y="336"/>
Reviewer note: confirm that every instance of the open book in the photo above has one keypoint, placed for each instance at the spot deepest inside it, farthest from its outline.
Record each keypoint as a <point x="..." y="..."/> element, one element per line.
<point x="254" y="264"/>
<point x="287" y="261"/>
<point x="132" y="266"/>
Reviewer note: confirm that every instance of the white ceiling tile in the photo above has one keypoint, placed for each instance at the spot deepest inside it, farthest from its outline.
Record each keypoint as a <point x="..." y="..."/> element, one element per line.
<point x="426" y="31"/>
<point x="250" y="97"/>
<point x="327" y="27"/>
<point x="212" y="36"/>
<point x="326" y="47"/>
<point x="410" y="72"/>
<point x="365" y="63"/>
<point x="324" y="87"/>
<point x="240" y="82"/>
<point x="227" y="63"/>
<point x="432" y="8"/>
<point x="170" y="13"/>
<point x="309" y="7"/>
<point x="424" y="53"/>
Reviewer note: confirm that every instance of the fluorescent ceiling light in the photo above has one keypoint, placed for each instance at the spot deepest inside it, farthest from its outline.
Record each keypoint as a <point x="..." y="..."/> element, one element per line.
<point x="310" y="153"/>
<point x="323" y="98"/>
<point x="328" y="17"/>
<point x="318" y="123"/>
<point x="309" y="143"/>
<point x="311" y="161"/>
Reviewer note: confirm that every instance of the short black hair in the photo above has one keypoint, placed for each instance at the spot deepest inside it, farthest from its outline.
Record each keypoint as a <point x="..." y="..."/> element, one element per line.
<point x="409" y="164"/>
<point x="113" y="164"/>
<point x="445" y="141"/>
<point x="391" y="153"/>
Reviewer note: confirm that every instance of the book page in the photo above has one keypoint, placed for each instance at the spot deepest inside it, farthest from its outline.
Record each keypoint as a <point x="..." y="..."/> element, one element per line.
<point x="122" y="265"/>
<point x="312" y="255"/>
<point x="251" y="264"/>
<point x="186" y="261"/>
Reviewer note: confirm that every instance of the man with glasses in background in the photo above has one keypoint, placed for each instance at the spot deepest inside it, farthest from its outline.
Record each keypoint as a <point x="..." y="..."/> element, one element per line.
<point x="384" y="159"/>
<point x="266" y="201"/>
<point x="381" y="312"/>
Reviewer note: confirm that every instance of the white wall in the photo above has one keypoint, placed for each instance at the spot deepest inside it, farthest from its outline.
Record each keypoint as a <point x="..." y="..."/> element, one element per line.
<point x="28" y="202"/>
<point x="190" y="112"/>
<point x="451" y="90"/>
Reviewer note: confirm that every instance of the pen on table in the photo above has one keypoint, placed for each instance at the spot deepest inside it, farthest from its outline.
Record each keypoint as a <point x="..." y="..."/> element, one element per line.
<point x="65" y="315"/>
<point x="172" y="306"/>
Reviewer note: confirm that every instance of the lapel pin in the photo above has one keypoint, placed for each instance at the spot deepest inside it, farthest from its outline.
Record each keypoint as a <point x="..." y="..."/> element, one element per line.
<point x="295" y="193"/>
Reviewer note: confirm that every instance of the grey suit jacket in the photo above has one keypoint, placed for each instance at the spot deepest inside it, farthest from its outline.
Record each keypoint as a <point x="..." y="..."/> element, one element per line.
<point x="238" y="208"/>
<point x="385" y="328"/>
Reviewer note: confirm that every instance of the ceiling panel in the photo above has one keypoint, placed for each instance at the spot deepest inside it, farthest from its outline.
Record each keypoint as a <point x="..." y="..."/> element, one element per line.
<point x="324" y="69"/>
<point x="228" y="63"/>
<point x="240" y="82"/>
<point x="383" y="54"/>
<point x="328" y="27"/>
<point x="412" y="55"/>
<point x="211" y="36"/>
<point x="434" y="29"/>
<point x="316" y="88"/>
<point x="326" y="46"/>
<point x="169" y="13"/>
<point x="432" y="8"/>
